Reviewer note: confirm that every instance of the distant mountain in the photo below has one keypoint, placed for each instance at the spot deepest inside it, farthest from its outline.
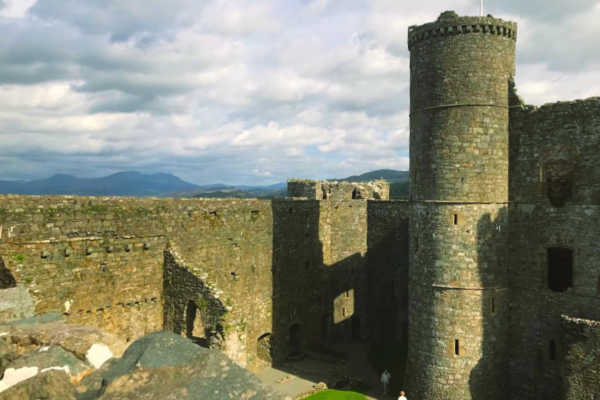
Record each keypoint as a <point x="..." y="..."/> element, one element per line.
<point x="390" y="175"/>
<point x="161" y="185"/>
<point x="119" y="184"/>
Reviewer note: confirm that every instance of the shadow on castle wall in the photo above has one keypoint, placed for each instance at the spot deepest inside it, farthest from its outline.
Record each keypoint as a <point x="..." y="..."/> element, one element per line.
<point x="190" y="308"/>
<point x="321" y="309"/>
<point x="489" y="378"/>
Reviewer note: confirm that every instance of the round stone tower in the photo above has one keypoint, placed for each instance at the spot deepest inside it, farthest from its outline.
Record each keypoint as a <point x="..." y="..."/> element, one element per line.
<point x="461" y="69"/>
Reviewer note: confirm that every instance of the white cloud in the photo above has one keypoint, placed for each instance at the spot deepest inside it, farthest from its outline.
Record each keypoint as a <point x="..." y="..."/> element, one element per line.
<point x="16" y="8"/>
<point x="241" y="91"/>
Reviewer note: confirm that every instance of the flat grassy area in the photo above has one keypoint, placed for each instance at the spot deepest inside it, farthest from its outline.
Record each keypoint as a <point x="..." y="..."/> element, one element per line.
<point x="331" y="394"/>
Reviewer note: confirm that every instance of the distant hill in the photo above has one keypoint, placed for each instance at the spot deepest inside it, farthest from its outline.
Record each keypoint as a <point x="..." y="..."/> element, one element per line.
<point x="161" y="185"/>
<point x="390" y="175"/>
<point x="242" y="191"/>
<point x="119" y="184"/>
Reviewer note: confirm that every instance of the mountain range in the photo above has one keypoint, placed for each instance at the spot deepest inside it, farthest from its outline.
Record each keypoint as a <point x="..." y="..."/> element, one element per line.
<point x="138" y="184"/>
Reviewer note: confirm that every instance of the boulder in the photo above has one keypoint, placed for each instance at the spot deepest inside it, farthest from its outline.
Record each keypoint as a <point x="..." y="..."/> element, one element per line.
<point x="52" y="357"/>
<point x="29" y="335"/>
<point x="164" y="365"/>
<point x="8" y="353"/>
<point x="50" y="385"/>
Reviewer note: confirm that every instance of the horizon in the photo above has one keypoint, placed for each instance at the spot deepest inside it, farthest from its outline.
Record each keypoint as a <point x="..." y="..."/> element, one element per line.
<point x="252" y="93"/>
<point x="229" y="185"/>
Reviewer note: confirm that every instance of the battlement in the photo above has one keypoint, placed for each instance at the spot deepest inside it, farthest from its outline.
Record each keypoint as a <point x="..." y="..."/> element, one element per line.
<point x="450" y="24"/>
<point x="338" y="190"/>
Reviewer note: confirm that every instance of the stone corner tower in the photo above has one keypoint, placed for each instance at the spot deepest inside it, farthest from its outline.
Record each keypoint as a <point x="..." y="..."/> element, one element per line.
<point x="460" y="69"/>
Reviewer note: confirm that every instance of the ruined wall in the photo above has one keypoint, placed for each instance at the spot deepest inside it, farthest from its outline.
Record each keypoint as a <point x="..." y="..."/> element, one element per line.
<point x="96" y="260"/>
<point x="554" y="153"/>
<point x="580" y="358"/>
<point x="555" y="203"/>
<point x="101" y="261"/>
<point x="387" y="274"/>
<point x="338" y="190"/>
<point x="233" y="274"/>
<point x="334" y="262"/>
<point x="225" y="245"/>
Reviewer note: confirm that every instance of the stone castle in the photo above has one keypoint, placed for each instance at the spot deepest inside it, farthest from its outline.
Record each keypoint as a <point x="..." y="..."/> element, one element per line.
<point x="489" y="275"/>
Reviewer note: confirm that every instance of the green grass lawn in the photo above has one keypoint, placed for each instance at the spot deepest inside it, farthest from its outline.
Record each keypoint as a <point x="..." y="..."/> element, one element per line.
<point x="330" y="394"/>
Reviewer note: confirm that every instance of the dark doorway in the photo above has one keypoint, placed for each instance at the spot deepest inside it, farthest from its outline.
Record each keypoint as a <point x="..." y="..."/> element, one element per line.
<point x="356" y="194"/>
<point x="560" y="269"/>
<point x="7" y="280"/>
<point x="194" y="328"/>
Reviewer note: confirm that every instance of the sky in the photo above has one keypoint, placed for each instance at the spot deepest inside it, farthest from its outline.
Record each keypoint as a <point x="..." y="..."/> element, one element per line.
<point x="244" y="91"/>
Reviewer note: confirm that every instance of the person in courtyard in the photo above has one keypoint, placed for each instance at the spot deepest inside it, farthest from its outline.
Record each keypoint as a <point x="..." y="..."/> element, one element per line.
<point x="385" y="379"/>
<point x="402" y="395"/>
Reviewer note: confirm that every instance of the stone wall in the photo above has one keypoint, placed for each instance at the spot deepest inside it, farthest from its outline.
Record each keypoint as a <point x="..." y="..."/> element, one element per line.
<point x="580" y="358"/>
<point x="336" y="263"/>
<point x="98" y="261"/>
<point x="233" y="274"/>
<point x="338" y="190"/>
<point x="555" y="203"/>
<point x="554" y="153"/>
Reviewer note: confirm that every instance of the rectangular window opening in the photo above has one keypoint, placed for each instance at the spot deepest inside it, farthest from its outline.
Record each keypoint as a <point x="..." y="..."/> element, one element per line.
<point x="456" y="347"/>
<point x="455" y="219"/>
<point x="552" y="350"/>
<point x="560" y="268"/>
<point x="493" y="305"/>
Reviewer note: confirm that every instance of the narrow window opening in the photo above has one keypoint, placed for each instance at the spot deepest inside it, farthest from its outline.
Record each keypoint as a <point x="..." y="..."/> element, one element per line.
<point x="7" y="279"/>
<point x="456" y="347"/>
<point x="356" y="193"/>
<point x="455" y="219"/>
<point x="493" y="305"/>
<point x="552" y="350"/>
<point x="343" y="311"/>
<point x="347" y="293"/>
<point x="560" y="269"/>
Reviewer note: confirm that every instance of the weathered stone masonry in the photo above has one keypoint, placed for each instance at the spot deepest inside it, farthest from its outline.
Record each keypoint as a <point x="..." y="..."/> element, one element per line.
<point x="229" y="273"/>
<point x="458" y="330"/>
<point x="505" y="204"/>
<point x="502" y="297"/>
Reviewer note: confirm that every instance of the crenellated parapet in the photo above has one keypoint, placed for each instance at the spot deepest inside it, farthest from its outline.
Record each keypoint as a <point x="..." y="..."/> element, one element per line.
<point x="450" y="24"/>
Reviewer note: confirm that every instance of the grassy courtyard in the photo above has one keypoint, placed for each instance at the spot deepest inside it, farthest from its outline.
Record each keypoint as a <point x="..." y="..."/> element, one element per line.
<point x="330" y="394"/>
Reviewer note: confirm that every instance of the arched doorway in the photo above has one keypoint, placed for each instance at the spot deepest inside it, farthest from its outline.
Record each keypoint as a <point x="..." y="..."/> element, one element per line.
<point x="194" y="326"/>
<point x="263" y="347"/>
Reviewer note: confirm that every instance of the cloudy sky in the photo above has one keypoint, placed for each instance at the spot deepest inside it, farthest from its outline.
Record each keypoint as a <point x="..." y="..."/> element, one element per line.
<point x="244" y="91"/>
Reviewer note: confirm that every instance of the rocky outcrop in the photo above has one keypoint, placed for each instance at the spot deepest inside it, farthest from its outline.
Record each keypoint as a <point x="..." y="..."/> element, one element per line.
<point x="45" y="358"/>
<point x="32" y="347"/>
<point x="50" y="385"/>
<point x="164" y="365"/>
<point x="48" y="330"/>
